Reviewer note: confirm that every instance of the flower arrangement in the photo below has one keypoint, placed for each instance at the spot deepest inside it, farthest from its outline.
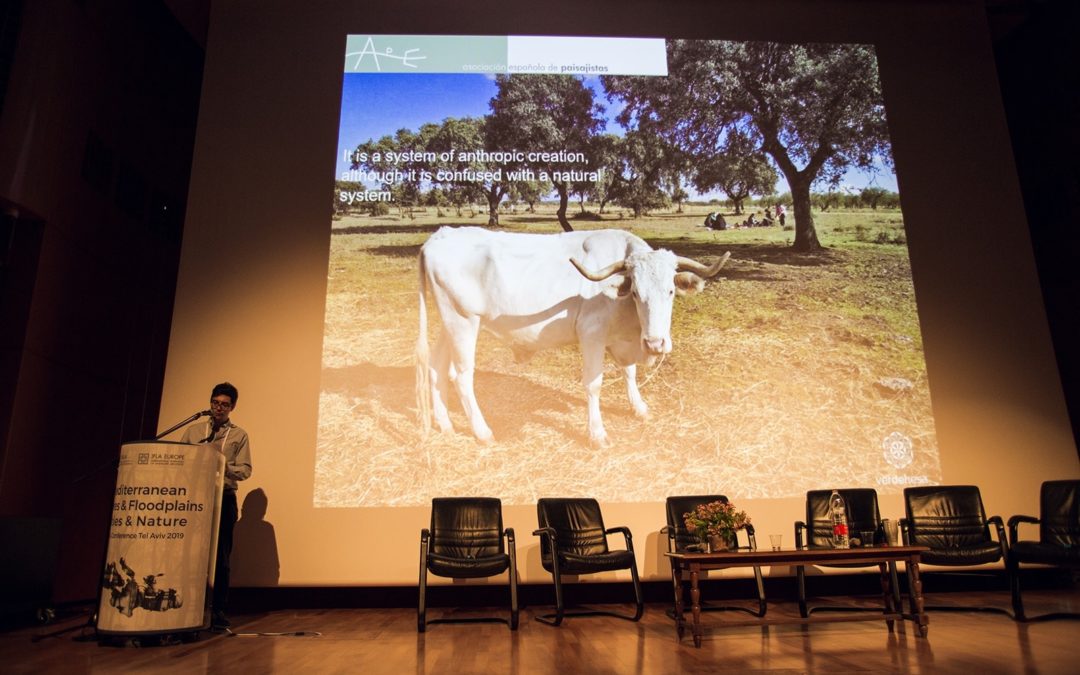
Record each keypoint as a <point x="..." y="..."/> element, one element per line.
<point x="715" y="519"/>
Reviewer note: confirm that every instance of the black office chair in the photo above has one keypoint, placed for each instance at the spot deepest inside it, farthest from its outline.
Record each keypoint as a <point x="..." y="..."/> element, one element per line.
<point x="1058" y="544"/>
<point x="573" y="540"/>
<point x="951" y="521"/>
<point x="681" y="539"/>
<point x="816" y="532"/>
<point x="466" y="541"/>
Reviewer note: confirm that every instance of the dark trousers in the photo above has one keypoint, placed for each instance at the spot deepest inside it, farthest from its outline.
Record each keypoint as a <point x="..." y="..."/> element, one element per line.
<point x="224" y="550"/>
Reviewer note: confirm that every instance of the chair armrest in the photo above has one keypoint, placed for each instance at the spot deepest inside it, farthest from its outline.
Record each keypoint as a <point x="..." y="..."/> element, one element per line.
<point x="626" y="534"/>
<point x="670" y="536"/>
<point x="905" y="531"/>
<point x="511" y="550"/>
<point x="545" y="532"/>
<point x="999" y="526"/>
<point x="425" y="535"/>
<point x="750" y="537"/>
<point x="800" y="528"/>
<point x="1014" y="526"/>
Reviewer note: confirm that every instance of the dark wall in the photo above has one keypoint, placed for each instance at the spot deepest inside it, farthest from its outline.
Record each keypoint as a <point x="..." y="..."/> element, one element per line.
<point x="1037" y="51"/>
<point x="96" y="137"/>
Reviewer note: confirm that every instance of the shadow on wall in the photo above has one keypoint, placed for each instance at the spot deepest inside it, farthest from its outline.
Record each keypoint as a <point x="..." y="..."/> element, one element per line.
<point x="255" y="554"/>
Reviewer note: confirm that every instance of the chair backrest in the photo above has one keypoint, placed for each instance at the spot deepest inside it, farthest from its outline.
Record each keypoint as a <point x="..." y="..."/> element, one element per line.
<point x="1059" y="515"/>
<point x="466" y="527"/>
<point x="578" y="525"/>
<point x="945" y="516"/>
<point x="862" y="514"/>
<point x="676" y="507"/>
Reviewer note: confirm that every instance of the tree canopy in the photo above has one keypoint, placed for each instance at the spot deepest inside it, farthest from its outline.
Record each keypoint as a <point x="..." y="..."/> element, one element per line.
<point x="740" y="171"/>
<point x="545" y="113"/>
<point x="816" y="109"/>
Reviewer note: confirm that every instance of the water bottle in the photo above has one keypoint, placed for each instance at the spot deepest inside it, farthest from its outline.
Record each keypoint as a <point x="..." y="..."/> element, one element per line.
<point x="838" y="515"/>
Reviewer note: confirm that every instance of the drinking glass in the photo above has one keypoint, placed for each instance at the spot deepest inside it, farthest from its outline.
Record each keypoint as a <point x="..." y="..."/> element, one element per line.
<point x="892" y="532"/>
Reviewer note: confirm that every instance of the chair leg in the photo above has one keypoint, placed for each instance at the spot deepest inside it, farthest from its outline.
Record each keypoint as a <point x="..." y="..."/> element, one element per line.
<point x="1014" y="586"/>
<point x="421" y="611"/>
<point x="513" y="596"/>
<point x="556" y="619"/>
<point x="639" y="601"/>
<point x="556" y="575"/>
<point x="559" y="607"/>
<point x="511" y="550"/>
<point x="800" y="575"/>
<point x="760" y="591"/>
<point x="677" y="610"/>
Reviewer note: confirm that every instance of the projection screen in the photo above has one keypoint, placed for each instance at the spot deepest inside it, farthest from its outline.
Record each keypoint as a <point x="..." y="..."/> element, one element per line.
<point x="789" y="370"/>
<point x="787" y="359"/>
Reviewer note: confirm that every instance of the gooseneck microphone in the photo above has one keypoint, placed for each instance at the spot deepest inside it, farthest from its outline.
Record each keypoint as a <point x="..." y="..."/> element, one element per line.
<point x="201" y="413"/>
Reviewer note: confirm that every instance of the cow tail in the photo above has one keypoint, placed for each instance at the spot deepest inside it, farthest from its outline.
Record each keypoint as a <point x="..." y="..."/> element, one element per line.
<point x="423" y="357"/>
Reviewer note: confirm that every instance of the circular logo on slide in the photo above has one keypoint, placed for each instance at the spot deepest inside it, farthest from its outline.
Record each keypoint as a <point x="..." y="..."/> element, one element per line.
<point x="898" y="452"/>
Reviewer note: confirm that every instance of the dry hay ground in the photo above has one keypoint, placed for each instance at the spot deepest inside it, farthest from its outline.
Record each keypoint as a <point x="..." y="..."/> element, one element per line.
<point x="770" y="389"/>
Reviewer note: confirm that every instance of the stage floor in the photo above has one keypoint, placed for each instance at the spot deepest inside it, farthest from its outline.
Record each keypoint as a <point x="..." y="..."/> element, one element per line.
<point x="386" y="641"/>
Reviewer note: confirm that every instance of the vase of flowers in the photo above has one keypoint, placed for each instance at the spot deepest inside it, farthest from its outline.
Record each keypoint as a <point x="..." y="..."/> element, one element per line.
<point x="715" y="525"/>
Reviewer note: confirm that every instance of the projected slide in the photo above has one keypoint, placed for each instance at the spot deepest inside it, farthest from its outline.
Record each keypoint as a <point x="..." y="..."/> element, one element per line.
<point x="616" y="268"/>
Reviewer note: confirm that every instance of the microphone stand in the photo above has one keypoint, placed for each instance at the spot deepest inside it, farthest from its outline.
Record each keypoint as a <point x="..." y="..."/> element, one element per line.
<point x="180" y="424"/>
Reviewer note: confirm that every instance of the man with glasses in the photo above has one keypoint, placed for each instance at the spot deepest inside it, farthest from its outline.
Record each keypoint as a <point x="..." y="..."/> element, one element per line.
<point x="232" y="441"/>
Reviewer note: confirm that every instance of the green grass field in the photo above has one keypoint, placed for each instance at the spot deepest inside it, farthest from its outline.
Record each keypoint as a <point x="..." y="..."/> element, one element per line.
<point x="773" y="386"/>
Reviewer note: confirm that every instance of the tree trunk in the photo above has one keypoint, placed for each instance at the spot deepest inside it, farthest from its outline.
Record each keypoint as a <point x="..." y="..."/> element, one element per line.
<point x="738" y="206"/>
<point x="806" y="239"/>
<point x="564" y="197"/>
<point x="493" y="199"/>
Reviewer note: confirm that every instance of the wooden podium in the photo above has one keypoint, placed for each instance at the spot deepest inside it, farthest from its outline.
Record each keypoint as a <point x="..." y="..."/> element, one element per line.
<point x="159" y="567"/>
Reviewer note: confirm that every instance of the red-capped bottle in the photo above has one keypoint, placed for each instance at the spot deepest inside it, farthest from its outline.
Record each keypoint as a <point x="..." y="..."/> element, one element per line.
<point x="838" y="515"/>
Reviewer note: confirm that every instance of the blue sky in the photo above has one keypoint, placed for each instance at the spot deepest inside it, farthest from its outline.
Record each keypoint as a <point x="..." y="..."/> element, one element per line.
<point x="374" y="105"/>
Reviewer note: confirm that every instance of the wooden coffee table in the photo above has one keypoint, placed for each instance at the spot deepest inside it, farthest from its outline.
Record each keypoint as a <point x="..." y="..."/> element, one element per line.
<point x="695" y="563"/>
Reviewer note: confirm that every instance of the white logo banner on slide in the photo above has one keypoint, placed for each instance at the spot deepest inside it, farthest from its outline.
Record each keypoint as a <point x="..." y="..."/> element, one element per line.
<point x="163" y="529"/>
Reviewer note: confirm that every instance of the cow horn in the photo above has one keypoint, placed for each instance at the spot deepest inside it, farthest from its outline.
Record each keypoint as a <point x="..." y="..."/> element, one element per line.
<point x="688" y="265"/>
<point x="613" y="268"/>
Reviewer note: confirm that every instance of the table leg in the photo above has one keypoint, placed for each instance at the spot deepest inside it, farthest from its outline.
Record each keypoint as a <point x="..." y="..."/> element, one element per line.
<point x="695" y="605"/>
<point x="918" y="612"/>
<point x="886" y="591"/>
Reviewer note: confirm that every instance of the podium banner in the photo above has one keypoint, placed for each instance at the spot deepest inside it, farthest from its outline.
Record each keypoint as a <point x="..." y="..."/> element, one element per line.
<point x="162" y="538"/>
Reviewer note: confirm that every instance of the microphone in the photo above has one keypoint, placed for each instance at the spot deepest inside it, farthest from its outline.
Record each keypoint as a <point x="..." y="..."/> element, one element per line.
<point x="201" y="413"/>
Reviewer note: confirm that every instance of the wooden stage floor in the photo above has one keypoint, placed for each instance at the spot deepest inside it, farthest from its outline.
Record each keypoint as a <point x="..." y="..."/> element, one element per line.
<point x="386" y="641"/>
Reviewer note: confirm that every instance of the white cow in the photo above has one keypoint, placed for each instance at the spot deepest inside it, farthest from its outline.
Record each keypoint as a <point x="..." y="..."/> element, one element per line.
<point x="525" y="290"/>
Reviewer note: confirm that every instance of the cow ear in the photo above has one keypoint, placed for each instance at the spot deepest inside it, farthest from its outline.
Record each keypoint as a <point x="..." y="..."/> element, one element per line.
<point x="688" y="283"/>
